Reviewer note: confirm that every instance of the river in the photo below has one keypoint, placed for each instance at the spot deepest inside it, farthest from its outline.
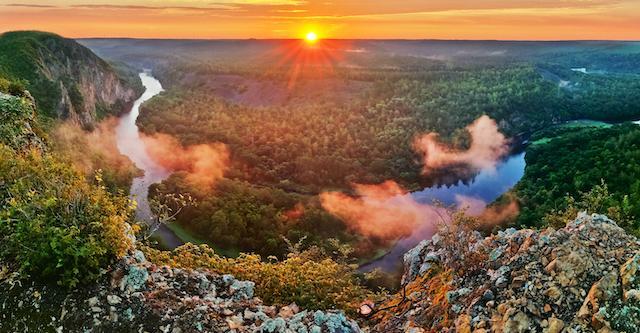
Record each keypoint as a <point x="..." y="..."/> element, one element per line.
<point x="131" y="145"/>
<point x="487" y="186"/>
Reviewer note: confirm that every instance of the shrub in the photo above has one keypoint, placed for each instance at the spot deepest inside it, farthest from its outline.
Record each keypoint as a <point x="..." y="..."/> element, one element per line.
<point x="433" y="287"/>
<point x="598" y="200"/>
<point x="16" y="122"/>
<point x="53" y="224"/>
<point x="305" y="279"/>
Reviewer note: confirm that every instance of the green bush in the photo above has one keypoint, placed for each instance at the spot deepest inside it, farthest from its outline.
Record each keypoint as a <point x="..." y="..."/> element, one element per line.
<point x="307" y="279"/>
<point x="53" y="224"/>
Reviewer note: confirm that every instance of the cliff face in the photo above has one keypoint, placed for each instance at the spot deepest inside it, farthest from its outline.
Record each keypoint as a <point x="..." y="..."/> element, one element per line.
<point x="67" y="80"/>
<point x="582" y="278"/>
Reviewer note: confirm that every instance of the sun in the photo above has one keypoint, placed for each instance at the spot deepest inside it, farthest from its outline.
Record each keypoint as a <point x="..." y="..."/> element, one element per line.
<point x="311" y="37"/>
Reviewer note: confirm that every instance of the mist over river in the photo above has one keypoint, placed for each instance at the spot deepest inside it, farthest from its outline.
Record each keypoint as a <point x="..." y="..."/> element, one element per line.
<point x="131" y="145"/>
<point x="486" y="187"/>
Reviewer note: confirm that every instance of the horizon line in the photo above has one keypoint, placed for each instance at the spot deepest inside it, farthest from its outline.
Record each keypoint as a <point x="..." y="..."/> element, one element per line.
<point x="331" y="39"/>
<point x="366" y="39"/>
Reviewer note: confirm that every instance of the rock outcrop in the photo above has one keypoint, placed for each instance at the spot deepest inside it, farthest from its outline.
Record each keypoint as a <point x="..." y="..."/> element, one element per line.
<point x="137" y="296"/>
<point x="18" y="125"/>
<point x="582" y="278"/>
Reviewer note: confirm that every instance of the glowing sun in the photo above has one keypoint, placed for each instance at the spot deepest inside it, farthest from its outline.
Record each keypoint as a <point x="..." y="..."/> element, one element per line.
<point x="311" y="37"/>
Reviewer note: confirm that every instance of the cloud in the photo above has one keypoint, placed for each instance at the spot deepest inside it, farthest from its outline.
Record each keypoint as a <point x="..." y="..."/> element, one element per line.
<point x="203" y="163"/>
<point x="384" y="211"/>
<point x="387" y="212"/>
<point x="28" y="5"/>
<point x="153" y="8"/>
<point x="262" y="2"/>
<point x="488" y="145"/>
<point x="488" y="216"/>
<point x="90" y="151"/>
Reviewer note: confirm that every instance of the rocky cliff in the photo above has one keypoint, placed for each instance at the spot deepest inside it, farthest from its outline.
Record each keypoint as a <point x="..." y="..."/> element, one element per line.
<point x="67" y="80"/>
<point x="582" y="278"/>
<point x="138" y="296"/>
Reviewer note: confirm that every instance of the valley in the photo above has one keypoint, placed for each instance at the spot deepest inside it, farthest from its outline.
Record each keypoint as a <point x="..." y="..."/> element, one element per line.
<point x="283" y="156"/>
<point x="387" y="185"/>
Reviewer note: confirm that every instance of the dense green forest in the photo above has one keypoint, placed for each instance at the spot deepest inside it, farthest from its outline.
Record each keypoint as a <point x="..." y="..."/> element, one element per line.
<point x="573" y="162"/>
<point x="314" y="139"/>
<point x="323" y="143"/>
<point x="243" y="217"/>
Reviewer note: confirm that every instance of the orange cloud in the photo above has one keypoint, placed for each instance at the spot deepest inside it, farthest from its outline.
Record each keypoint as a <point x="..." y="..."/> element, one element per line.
<point x="439" y="19"/>
<point x="204" y="163"/>
<point x="90" y="151"/>
<point x="384" y="211"/>
<point x="488" y="216"/>
<point x="488" y="145"/>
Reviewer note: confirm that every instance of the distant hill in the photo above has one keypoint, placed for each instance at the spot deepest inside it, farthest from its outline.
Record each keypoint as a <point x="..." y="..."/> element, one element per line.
<point x="67" y="80"/>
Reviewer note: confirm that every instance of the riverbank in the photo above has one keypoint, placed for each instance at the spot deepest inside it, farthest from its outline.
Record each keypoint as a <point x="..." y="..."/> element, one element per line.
<point x="131" y="145"/>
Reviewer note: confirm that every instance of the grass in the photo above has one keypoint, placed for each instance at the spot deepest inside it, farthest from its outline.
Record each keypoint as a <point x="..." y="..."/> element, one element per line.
<point x="568" y="126"/>
<point x="584" y="123"/>
<point x="188" y="237"/>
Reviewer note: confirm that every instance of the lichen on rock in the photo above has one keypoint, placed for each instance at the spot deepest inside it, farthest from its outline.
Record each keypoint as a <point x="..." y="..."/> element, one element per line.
<point x="581" y="278"/>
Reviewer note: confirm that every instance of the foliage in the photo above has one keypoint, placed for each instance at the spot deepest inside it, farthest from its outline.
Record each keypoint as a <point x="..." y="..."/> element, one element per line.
<point x="597" y="201"/>
<point x="329" y="142"/>
<point x="307" y="279"/>
<point x="11" y="87"/>
<point x="314" y="140"/>
<point x="459" y="230"/>
<point x="55" y="225"/>
<point x="17" y="122"/>
<point x="165" y="208"/>
<point x="238" y="215"/>
<point x="432" y="286"/>
<point x="569" y="173"/>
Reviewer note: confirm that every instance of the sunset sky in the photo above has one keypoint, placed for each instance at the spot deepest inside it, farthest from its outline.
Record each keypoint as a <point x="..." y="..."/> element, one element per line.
<point x="410" y="19"/>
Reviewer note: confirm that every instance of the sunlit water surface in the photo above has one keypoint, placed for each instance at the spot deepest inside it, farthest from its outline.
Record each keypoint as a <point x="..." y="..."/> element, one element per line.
<point x="131" y="145"/>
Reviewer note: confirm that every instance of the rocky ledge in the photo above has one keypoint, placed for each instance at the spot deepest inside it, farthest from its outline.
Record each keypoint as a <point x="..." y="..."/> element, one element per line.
<point x="582" y="278"/>
<point x="138" y="296"/>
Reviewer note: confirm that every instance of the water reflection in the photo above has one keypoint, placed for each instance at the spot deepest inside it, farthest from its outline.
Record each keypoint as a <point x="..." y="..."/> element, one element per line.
<point x="131" y="145"/>
<point x="487" y="186"/>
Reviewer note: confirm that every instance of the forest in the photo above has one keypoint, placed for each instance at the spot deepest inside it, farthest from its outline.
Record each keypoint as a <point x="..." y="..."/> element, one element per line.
<point x="344" y="125"/>
<point x="570" y="164"/>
